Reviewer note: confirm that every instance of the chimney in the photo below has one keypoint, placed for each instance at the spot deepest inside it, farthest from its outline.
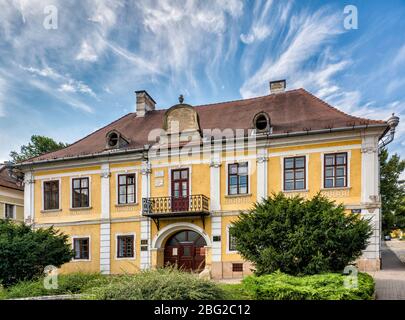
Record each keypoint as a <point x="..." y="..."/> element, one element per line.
<point x="277" y="86"/>
<point x="144" y="103"/>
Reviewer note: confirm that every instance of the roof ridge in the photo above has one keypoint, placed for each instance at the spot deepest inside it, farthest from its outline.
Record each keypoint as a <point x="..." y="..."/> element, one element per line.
<point x="248" y="99"/>
<point x="338" y="110"/>
<point x="90" y="134"/>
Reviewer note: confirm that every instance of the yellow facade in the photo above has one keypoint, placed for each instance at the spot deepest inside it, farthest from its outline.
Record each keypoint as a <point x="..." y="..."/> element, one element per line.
<point x="102" y="223"/>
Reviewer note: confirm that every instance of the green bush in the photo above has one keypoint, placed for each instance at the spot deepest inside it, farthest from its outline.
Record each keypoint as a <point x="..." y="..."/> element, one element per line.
<point x="298" y="236"/>
<point x="24" y="252"/>
<point x="329" y="286"/>
<point x="67" y="284"/>
<point x="160" y="284"/>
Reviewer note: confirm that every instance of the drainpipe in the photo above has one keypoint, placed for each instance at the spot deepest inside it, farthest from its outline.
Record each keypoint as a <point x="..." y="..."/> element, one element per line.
<point x="393" y="122"/>
<point x="385" y="139"/>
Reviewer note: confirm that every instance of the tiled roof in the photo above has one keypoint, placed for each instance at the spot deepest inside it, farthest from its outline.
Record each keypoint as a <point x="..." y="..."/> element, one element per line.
<point x="7" y="181"/>
<point x="290" y="111"/>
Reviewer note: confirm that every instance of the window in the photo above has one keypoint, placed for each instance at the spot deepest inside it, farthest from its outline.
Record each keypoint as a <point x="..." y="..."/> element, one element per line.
<point x="81" y="248"/>
<point x="113" y="140"/>
<point x="294" y="173"/>
<point x="9" y="211"/>
<point x="237" y="267"/>
<point x="125" y="246"/>
<point x="231" y="242"/>
<point x="80" y="192"/>
<point x="238" y="178"/>
<point x="126" y="188"/>
<point x="51" y="195"/>
<point x="261" y="121"/>
<point x="335" y="170"/>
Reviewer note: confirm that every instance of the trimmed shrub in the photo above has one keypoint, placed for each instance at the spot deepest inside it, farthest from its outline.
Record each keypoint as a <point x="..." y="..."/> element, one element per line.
<point x="298" y="236"/>
<point x="24" y="252"/>
<point x="160" y="284"/>
<point x="329" y="286"/>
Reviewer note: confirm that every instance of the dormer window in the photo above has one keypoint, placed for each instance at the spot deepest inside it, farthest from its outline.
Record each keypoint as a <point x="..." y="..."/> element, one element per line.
<point x="261" y="122"/>
<point x="115" y="140"/>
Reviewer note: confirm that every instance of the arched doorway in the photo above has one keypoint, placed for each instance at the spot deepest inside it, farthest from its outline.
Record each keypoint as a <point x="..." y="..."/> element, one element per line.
<point x="186" y="250"/>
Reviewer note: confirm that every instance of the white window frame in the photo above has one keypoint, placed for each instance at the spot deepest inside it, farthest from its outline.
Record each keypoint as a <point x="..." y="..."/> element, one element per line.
<point x="306" y="172"/>
<point x="228" y="251"/>
<point x="116" y="246"/>
<point x="73" y="246"/>
<point x="349" y="156"/>
<point x="121" y="173"/>
<point x="249" y="163"/>
<point x="43" y="194"/>
<point x="14" y="211"/>
<point x="71" y="192"/>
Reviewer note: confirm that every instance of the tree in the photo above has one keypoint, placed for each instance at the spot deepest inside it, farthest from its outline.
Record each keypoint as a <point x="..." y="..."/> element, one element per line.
<point x="298" y="236"/>
<point x="37" y="146"/>
<point x="392" y="190"/>
<point x="24" y="252"/>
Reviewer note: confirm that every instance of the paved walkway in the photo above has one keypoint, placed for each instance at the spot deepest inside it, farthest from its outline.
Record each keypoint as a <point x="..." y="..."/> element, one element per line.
<point x="390" y="281"/>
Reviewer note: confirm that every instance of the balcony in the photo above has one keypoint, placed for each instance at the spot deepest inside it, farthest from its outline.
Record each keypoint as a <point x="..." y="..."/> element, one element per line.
<point x="172" y="207"/>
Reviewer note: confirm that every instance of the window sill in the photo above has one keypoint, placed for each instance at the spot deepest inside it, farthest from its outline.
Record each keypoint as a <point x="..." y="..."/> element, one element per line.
<point x="295" y="191"/>
<point x="80" y="209"/>
<point x="123" y="259"/>
<point x="126" y="204"/>
<point x="238" y="195"/>
<point x="336" y="188"/>
<point x="51" y="210"/>
<point x="80" y="260"/>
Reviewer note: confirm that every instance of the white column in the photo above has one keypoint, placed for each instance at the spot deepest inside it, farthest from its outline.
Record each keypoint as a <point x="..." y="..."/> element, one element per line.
<point x="216" y="230"/>
<point x="215" y="183"/>
<point x="105" y="248"/>
<point x="369" y="163"/>
<point x="261" y="174"/>
<point x="29" y="198"/>
<point x="145" y="222"/>
<point x="105" y="226"/>
<point x="215" y="205"/>
<point x="105" y="191"/>
<point x="370" y="196"/>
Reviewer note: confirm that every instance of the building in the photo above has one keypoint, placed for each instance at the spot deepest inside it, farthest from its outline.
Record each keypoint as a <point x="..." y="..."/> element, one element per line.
<point x="163" y="186"/>
<point x="11" y="197"/>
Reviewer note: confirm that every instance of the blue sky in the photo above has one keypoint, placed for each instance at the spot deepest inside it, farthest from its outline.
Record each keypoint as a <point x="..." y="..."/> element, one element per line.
<point x="67" y="82"/>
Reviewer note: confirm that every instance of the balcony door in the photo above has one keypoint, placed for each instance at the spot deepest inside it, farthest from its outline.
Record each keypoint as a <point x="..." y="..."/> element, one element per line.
<point x="180" y="190"/>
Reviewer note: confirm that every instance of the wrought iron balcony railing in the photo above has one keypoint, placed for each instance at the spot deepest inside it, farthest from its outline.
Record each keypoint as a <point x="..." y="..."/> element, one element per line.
<point x="165" y="205"/>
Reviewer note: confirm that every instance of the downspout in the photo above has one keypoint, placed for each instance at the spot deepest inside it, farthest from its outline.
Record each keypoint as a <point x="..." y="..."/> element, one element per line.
<point x="392" y="122"/>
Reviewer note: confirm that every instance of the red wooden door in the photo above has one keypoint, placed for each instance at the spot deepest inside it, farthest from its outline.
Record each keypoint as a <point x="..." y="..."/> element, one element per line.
<point x="180" y="190"/>
<point x="186" y="250"/>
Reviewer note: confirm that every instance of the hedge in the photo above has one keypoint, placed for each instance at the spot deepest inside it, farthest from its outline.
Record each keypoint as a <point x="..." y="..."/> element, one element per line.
<point x="327" y="286"/>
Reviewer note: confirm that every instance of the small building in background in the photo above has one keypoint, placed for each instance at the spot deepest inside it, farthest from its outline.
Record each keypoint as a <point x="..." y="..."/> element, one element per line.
<point x="11" y="196"/>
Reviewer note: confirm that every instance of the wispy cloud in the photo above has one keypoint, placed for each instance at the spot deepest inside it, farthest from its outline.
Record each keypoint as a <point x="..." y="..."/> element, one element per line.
<point x="66" y="83"/>
<point x="63" y="96"/>
<point x="307" y="34"/>
<point x="400" y="56"/>
<point x="260" y="28"/>
<point x="2" y="96"/>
